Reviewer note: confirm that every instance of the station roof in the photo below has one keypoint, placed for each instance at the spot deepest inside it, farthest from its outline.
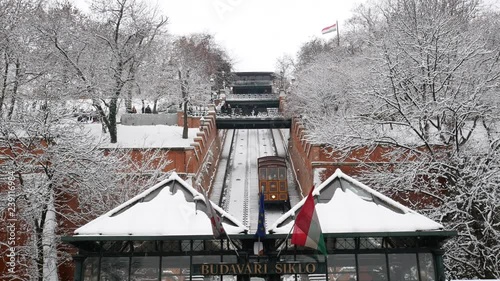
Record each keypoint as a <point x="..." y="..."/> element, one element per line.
<point x="169" y="208"/>
<point x="344" y="205"/>
<point x="174" y="208"/>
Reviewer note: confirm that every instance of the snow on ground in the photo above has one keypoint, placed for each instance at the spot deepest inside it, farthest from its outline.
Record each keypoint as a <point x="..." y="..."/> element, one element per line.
<point x="153" y="136"/>
<point x="226" y="137"/>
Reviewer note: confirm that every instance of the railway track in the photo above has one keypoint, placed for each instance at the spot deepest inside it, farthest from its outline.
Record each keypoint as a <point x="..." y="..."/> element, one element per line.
<point x="239" y="191"/>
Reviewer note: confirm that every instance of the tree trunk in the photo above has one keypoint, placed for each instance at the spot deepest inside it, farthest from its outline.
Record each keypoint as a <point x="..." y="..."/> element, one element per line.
<point x="39" y="242"/>
<point x="113" y="134"/>
<point x="185" y="101"/>
<point x="49" y="242"/>
<point x="185" y="130"/>
<point x="14" y="89"/>
<point x="4" y="82"/>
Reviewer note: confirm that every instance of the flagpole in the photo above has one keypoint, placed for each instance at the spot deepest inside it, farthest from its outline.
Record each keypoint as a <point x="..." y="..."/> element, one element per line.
<point x="231" y="241"/>
<point x="286" y="239"/>
<point x="220" y="230"/>
<point x="338" y="36"/>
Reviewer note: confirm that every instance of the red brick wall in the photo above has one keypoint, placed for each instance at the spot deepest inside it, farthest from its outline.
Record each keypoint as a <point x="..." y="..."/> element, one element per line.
<point x="185" y="161"/>
<point x="308" y="157"/>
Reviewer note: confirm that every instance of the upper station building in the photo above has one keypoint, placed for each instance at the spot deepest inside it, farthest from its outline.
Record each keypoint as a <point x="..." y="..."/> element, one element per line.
<point x="253" y="92"/>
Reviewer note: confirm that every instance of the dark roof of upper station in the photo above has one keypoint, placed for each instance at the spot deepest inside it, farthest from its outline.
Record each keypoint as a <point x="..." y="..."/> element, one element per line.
<point x="253" y="73"/>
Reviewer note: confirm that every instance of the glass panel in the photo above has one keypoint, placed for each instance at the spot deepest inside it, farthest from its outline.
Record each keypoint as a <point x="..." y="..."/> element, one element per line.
<point x="342" y="267"/>
<point x="201" y="260"/>
<point x="282" y="173"/>
<point x="301" y="258"/>
<point x="186" y="245"/>
<point x="90" y="269"/>
<point x="206" y="259"/>
<point x="370" y="243"/>
<point x="213" y="245"/>
<point x="171" y="246"/>
<point x="345" y="243"/>
<point x="262" y="174"/>
<point x="144" y="268"/>
<point x="305" y="258"/>
<point x="114" y="269"/>
<point x="198" y="245"/>
<point x="293" y="277"/>
<point x="273" y="174"/>
<point x="426" y="262"/>
<point x="230" y="259"/>
<point x="403" y="267"/>
<point x="174" y="268"/>
<point x="228" y="278"/>
<point x="372" y="267"/>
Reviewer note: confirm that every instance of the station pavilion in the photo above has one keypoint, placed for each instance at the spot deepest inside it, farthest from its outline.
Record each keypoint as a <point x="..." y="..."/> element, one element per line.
<point x="165" y="233"/>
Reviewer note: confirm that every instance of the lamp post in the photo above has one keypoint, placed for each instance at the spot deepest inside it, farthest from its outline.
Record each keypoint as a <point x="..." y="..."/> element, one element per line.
<point x="202" y="122"/>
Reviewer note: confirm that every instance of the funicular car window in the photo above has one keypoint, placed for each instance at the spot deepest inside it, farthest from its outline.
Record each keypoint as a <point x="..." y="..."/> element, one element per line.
<point x="282" y="173"/>
<point x="273" y="173"/>
<point x="262" y="174"/>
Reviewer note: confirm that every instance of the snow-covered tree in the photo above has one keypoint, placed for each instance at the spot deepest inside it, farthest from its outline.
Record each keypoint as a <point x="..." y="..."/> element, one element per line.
<point x="424" y="84"/>
<point x="23" y="58"/>
<point x="63" y="178"/>
<point x="104" y="50"/>
<point x="197" y="58"/>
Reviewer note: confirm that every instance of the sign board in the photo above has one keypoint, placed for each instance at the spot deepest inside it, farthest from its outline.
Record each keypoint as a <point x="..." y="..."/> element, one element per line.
<point x="258" y="268"/>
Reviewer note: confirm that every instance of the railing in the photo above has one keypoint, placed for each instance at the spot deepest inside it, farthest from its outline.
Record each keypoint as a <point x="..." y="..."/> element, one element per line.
<point x="252" y="97"/>
<point x="235" y="113"/>
<point x="252" y="83"/>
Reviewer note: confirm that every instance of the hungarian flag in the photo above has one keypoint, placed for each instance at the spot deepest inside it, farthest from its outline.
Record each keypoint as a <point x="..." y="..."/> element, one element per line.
<point x="329" y="29"/>
<point x="307" y="230"/>
<point x="217" y="228"/>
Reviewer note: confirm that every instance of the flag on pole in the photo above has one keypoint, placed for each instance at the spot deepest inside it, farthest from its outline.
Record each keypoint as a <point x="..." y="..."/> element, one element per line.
<point x="307" y="230"/>
<point x="217" y="228"/>
<point x="261" y="228"/>
<point x="329" y="29"/>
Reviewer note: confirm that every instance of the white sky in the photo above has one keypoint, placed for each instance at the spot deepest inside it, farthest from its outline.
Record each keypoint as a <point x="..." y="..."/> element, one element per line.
<point x="256" y="32"/>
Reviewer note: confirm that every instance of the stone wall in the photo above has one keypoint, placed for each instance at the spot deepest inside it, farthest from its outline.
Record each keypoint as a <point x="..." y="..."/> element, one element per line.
<point x="139" y="119"/>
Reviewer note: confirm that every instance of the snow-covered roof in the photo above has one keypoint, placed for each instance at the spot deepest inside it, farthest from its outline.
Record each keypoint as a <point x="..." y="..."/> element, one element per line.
<point x="152" y="136"/>
<point x="345" y="205"/>
<point x="169" y="208"/>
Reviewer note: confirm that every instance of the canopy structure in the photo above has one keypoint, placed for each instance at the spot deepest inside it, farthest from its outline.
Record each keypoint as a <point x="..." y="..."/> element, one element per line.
<point x="165" y="233"/>
<point x="344" y="205"/>
<point x="170" y="208"/>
